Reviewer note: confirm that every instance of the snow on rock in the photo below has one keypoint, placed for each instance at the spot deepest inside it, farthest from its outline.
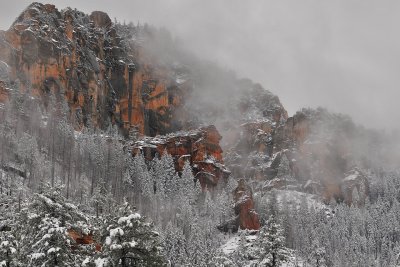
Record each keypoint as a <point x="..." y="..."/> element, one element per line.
<point x="294" y="199"/>
<point x="351" y="177"/>
<point x="200" y="147"/>
<point x="355" y="181"/>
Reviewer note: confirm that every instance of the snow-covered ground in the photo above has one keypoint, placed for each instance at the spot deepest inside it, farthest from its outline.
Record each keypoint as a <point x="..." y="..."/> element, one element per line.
<point x="231" y="245"/>
<point x="294" y="199"/>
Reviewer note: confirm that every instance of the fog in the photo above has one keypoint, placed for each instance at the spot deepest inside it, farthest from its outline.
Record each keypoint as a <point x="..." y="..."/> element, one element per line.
<point x="343" y="55"/>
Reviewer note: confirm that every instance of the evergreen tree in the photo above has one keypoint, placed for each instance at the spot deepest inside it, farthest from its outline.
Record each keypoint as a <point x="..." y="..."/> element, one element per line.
<point x="8" y="250"/>
<point x="272" y="244"/>
<point x="45" y="240"/>
<point x="99" y="198"/>
<point x="174" y="245"/>
<point x="130" y="241"/>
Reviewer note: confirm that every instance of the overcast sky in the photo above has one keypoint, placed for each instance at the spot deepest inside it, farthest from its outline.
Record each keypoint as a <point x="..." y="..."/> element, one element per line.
<point x="343" y="55"/>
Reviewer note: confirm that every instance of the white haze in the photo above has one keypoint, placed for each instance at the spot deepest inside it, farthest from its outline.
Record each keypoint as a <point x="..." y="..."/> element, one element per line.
<point x="343" y="55"/>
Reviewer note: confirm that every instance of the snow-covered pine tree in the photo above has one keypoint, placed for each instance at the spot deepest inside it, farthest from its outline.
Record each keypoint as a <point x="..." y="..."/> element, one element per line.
<point x="99" y="197"/>
<point x="284" y="168"/>
<point x="187" y="186"/>
<point x="8" y="250"/>
<point x="174" y="245"/>
<point x="271" y="242"/>
<point x="318" y="255"/>
<point x="45" y="240"/>
<point x="167" y="164"/>
<point x="130" y="241"/>
<point x="196" y="247"/>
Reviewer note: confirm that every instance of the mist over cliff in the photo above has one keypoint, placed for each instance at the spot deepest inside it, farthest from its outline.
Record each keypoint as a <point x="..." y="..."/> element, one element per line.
<point x="337" y="55"/>
<point x="122" y="145"/>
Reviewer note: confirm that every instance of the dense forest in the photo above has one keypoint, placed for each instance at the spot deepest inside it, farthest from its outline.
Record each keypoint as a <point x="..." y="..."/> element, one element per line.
<point x="74" y="193"/>
<point x="55" y="179"/>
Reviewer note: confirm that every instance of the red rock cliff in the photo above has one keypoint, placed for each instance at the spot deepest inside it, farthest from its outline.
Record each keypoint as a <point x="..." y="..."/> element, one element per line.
<point x="200" y="147"/>
<point x="83" y="59"/>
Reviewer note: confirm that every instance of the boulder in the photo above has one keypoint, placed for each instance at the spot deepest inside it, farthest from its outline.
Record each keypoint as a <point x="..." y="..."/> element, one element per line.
<point x="82" y="239"/>
<point x="100" y="19"/>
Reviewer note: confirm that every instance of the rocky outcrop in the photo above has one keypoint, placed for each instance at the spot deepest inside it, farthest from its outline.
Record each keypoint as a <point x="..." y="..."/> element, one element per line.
<point x="314" y="148"/>
<point x="107" y="77"/>
<point x="244" y="207"/>
<point x="250" y="155"/>
<point x="355" y="185"/>
<point x="4" y="81"/>
<point x="101" y="19"/>
<point x="245" y="215"/>
<point x="83" y="239"/>
<point x="84" y="60"/>
<point x="199" y="147"/>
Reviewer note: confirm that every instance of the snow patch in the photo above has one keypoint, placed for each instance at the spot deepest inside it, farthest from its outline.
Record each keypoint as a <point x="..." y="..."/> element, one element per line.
<point x="115" y="247"/>
<point x="35" y="256"/>
<point x="127" y="219"/>
<point x="231" y="245"/>
<point x="352" y="177"/>
<point x="116" y="232"/>
<point x="100" y="262"/>
<point x="52" y="250"/>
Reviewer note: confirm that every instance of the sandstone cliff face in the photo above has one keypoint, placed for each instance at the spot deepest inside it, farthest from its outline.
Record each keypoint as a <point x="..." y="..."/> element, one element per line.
<point x="245" y="215"/>
<point x="108" y="75"/>
<point x="199" y="147"/>
<point x="244" y="208"/>
<point x="83" y="59"/>
<point x="318" y="148"/>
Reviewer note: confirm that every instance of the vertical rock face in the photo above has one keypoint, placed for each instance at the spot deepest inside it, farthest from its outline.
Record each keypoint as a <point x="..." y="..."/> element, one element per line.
<point x="108" y="76"/>
<point x="245" y="215"/>
<point x="4" y="82"/>
<point x="319" y="148"/>
<point x="355" y="185"/>
<point x="101" y="19"/>
<point x="84" y="59"/>
<point x="244" y="207"/>
<point x="199" y="147"/>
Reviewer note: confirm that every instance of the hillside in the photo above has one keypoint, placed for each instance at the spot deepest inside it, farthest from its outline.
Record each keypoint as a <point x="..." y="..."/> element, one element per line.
<point x="101" y="121"/>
